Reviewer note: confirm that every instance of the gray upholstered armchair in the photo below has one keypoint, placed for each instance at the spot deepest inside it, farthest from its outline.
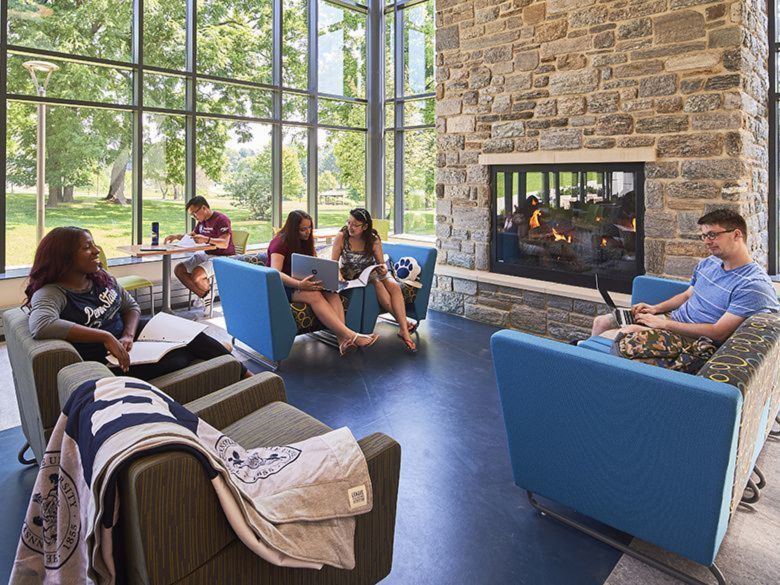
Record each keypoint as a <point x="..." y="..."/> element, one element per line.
<point x="166" y="538"/>
<point x="35" y="365"/>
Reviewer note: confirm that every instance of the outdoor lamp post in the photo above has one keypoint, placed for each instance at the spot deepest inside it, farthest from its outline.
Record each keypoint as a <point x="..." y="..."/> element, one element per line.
<point x="46" y="68"/>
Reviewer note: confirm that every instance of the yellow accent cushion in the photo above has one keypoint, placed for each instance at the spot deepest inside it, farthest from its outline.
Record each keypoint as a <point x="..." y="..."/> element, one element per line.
<point x="133" y="282"/>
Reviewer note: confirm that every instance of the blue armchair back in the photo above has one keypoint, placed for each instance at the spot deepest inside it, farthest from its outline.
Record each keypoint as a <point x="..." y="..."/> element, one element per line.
<point x="255" y="307"/>
<point x="645" y="450"/>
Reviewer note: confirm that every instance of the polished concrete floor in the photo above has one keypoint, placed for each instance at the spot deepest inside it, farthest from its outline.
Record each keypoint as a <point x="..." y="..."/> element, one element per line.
<point x="460" y="518"/>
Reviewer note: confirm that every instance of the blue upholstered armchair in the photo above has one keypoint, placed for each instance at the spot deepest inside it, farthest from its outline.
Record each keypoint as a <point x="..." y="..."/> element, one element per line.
<point x="258" y="314"/>
<point x="416" y="298"/>
<point x="659" y="454"/>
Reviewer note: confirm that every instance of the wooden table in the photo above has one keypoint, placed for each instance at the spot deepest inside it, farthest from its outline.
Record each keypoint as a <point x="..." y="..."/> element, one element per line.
<point x="326" y="234"/>
<point x="166" y="251"/>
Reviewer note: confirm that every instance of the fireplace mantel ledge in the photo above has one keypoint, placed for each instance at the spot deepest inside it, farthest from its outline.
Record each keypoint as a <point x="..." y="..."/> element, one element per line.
<point x="532" y="284"/>
<point x="550" y="157"/>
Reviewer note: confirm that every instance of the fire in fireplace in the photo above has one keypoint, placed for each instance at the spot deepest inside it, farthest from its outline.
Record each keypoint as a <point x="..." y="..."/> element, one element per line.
<point x="567" y="222"/>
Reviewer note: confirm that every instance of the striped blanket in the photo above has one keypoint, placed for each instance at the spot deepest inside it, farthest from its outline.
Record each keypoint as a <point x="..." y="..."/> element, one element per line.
<point x="294" y="505"/>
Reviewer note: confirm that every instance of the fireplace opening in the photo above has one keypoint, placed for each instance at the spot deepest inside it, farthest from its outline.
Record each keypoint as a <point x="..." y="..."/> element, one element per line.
<point x="567" y="222"/>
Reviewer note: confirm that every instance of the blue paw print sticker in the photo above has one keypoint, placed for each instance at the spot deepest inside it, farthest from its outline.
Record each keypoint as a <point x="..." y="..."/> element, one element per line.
<point x="407" y="269"/>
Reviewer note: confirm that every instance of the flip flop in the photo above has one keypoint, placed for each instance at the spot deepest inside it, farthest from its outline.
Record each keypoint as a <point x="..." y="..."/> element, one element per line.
<point x="347" y="347"/>
<point x="373" y="337"/>
<point x="412" y="327"/>
<point x="409" y="345"/>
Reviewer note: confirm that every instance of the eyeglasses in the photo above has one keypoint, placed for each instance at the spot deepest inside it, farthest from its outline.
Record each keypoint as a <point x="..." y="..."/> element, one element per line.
<point x="712" y="236"/>
<point x="195" y="212"/>
<point x="354" y="224"/>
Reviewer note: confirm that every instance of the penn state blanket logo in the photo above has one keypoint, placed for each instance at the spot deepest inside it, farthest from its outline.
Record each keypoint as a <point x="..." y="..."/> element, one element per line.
<point x="53" y="524"/>
<point x="255" y="464"/>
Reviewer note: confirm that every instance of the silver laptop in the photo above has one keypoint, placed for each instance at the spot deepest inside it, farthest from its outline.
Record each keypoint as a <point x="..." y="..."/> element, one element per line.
<point x="326" y="271"/>
<point x="622" y="316"/>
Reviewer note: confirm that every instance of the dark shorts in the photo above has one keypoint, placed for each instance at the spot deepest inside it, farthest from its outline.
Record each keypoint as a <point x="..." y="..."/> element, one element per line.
<point x="288" y="290"/>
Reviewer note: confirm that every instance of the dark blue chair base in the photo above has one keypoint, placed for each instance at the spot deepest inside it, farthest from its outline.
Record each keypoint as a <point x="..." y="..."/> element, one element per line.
<point x="600" y="536"/>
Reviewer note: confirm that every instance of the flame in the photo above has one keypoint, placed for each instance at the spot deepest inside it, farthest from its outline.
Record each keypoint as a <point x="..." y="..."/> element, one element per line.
<point x="633" y="223"/>
<point x="558" y="236"/>
<point x="534" y="221"/>
<point x="603" y="242"/>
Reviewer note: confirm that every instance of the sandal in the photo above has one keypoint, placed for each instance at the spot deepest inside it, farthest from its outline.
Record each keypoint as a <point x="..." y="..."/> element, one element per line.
<point x="409" y="345"/>
<point x="373" y="337"/>
<point x="347" y="347"/>
<point x="412" y="327"/>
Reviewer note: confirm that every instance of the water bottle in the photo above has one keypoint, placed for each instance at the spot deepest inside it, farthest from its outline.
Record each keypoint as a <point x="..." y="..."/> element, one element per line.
<point x="155" y="233"/>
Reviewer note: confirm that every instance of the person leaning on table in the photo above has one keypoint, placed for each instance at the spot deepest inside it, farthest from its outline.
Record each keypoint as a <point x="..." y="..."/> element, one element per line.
<point x="71" y="297"/>
<point x="212" y="228"/>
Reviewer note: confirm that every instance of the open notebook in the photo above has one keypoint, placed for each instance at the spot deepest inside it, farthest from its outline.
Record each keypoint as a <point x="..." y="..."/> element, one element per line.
<point x="162" y="334"/>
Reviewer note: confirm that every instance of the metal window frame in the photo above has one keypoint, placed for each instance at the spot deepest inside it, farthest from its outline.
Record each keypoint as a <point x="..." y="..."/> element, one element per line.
<point x="773" y="203"/>
<point x="374" y="102"/>
<point x="399" y="127"/>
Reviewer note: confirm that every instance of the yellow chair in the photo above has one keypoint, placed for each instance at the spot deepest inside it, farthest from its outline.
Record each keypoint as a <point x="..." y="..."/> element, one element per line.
<point x="240" y="240"/>
<point x="382" y="227"/>
<point x="131" y="282"/>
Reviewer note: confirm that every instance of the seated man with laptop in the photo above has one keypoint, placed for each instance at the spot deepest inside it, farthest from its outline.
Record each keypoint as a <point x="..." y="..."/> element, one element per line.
<point x="726" y="288"/>
<point x="294" y="239"/>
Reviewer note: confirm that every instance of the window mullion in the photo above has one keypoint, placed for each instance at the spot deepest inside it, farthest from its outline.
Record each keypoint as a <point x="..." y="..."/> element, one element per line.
<point x="276" y="128"/>
<point x="398" y="142"/>
<point x="137" y="152"/>
<point x="3" y="125"/>
<point x="312" y="109"/>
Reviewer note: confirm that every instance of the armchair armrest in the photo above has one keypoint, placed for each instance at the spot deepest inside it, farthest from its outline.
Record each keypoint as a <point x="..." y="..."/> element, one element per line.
<point x="199" y="379"/>
<point x="226" y="406"/>
<point x="74" y="375"/>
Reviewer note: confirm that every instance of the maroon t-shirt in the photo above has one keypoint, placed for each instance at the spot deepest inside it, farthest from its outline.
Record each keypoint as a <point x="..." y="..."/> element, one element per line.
<point x="217" y="226"/>
<point x="277" y="246"/>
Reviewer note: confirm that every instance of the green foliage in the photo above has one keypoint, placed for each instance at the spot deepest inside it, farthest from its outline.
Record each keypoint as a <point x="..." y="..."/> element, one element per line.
<point x="327" y="181"/>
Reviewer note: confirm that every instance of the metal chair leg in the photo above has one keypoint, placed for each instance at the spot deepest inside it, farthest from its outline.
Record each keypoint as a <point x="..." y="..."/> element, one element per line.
<point x="21" y="457"/>
<point x="211" y="298"/>
<point x="761" y="483"/>
<point x="151" y="298"/>
<point x="755" y="493"/>
<point x="775" y="433"/>
<point x="656" y="564"/>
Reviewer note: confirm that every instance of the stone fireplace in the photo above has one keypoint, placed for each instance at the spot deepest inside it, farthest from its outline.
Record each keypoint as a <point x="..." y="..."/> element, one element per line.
<point x="679" y="86"/>
<point x="566" y="223"/>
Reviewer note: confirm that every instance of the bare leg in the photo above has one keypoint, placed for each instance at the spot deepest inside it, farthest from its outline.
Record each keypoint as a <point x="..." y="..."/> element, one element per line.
<point x="201" y="280"/>
<point x="602" y="324"/>
<point x="328" y="317"/>
<point x="391" y="299"/>
<point x="189" y="280"/>
<point x="335" y="301"/>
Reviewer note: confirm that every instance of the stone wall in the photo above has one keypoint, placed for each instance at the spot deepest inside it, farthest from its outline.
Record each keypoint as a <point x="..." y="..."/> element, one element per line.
<point x="685" y="77"/>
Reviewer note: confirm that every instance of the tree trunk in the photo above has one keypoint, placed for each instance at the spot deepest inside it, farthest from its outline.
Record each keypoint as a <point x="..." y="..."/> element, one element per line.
<point x="175" y="192"/>
<point x="67" y="194"/>
<point x="163" y="189"/>
<point x="55" y="196"/>
<point x="116" y="189"/>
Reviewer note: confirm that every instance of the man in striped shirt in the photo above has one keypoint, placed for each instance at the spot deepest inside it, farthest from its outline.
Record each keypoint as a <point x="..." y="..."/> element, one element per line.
<point x="726" y="288"/>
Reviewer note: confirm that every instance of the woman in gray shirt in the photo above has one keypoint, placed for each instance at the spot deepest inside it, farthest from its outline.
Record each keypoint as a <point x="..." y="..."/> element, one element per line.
<point x="70" y="297"/>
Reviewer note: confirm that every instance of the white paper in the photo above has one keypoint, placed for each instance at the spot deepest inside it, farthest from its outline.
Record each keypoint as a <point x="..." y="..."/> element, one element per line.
<point x="172" y="329"/>
<point x="147" y="352"/>
<point x="361" y="280"/>
<point x="186" y="242"/>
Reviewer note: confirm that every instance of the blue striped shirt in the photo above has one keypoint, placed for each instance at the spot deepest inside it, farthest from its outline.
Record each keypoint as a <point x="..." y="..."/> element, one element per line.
<point x="742" y="291"/>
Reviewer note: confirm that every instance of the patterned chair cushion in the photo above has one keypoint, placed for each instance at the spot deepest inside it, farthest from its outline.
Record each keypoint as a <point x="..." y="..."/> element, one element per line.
<point x="305" y="319"/>
<point x="749" y="361"/>
<point x="258" y="258"/>
<point x="409" y="292"/>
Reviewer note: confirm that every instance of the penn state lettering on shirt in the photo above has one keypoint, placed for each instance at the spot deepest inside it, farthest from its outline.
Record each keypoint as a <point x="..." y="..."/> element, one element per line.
<point x="743" y="291"/>
<point x="217" y="226"/>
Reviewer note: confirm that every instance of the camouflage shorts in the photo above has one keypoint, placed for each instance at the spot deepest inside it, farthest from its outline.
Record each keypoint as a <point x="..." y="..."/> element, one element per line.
<point x="665" y="349"/>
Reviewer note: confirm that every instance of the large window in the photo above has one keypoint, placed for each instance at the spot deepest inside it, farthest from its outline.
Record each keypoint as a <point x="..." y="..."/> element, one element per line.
<point x="260" y="106"/>
<point x="410" y="142"/>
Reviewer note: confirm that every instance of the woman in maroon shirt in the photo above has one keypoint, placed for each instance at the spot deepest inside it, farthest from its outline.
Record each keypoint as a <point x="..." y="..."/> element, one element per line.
<point x="295" y="237"/>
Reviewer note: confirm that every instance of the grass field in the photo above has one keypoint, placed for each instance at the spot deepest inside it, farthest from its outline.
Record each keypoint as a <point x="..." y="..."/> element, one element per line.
<point x="111" y="224"/>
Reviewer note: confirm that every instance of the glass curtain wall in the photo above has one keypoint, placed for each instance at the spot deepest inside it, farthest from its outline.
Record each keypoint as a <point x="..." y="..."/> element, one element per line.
<point x="153" y="102"/>
<point x="410" y="137"/>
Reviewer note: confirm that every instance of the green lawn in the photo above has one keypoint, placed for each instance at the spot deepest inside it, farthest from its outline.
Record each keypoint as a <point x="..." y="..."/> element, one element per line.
<point x="111" y="223"/>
